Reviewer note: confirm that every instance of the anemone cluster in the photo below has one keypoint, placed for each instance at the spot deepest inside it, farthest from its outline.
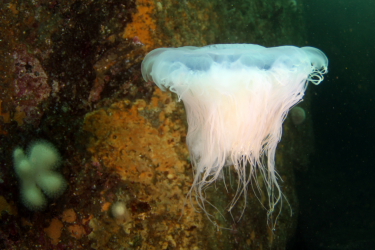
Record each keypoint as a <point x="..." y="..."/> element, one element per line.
<point x="36" y="174"/>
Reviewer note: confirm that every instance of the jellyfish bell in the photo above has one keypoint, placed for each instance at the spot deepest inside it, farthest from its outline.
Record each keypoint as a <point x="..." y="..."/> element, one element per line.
<point x="236" y="98"/>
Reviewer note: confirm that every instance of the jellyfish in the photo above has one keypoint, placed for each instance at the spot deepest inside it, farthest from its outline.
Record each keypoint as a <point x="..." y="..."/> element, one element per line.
<point x="236" y="97"/>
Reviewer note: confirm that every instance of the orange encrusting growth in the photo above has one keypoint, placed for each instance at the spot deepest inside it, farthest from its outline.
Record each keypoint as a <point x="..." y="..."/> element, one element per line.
<point x="144" y="142"/>
<point x="106" y="206"/>
<point x="54" y="230"/>
<point x="69" y="216"/>
<point x="143" y="25"/>
<point x="77" y="231"/>
<point x="135" y="139"/>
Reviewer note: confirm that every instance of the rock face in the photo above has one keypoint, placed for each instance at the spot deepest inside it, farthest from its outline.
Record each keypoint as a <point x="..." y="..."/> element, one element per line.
<point x="70" y="74"/>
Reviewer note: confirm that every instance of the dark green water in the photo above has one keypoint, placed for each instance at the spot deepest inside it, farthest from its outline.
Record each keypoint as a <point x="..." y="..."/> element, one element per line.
<point x="336" y="193"/>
